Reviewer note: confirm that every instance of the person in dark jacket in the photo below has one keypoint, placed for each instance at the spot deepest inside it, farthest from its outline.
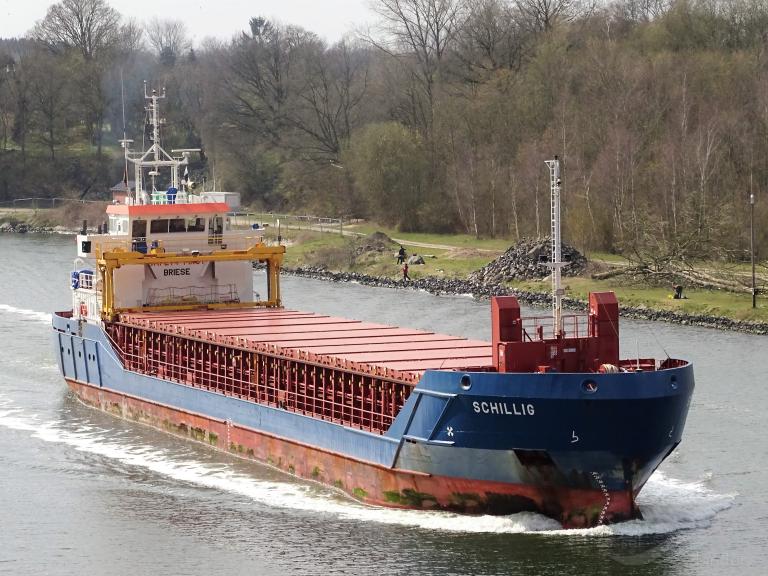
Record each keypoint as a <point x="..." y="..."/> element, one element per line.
<point x="401" y="255"/>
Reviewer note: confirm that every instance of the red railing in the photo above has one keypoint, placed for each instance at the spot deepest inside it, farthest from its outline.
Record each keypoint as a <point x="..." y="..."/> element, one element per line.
<point x="367" y="402"/>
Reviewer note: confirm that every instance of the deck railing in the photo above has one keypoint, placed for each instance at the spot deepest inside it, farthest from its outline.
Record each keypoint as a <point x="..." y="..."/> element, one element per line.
<point x="362" y="401"/>
<point x="187" y="242"/>
<point x="193" y="295"/>
<point x="86" y="295"/>
<point x="543" y="327"/>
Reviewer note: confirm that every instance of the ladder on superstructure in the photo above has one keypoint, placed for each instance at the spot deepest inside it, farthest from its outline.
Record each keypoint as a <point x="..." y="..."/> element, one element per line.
<point x="557" y="263"/>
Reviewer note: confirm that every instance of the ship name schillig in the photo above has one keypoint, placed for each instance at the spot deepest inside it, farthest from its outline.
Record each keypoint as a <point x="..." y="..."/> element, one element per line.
<point x="504" y="408"/>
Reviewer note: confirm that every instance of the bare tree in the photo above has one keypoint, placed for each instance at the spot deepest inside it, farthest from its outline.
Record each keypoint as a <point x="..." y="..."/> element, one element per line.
<point x="422" y="29"/>
<point x="94" y="30"/>
<point x="542" y="15"/>
<point x="168" y="38"/>
<point x="7" y="104"/>
<point x="262" y="76"/>
<point x="17" y="91"/>
<point x="491" y="38"/>
<point x="336" y="82"/>
<point x="49" y="95"/>
<point x="131" y="37"/>
<point x="89" y="26"/>
<point x="642" y="10"/>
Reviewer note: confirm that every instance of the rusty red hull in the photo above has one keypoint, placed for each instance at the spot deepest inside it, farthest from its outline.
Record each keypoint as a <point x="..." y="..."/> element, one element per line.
<point x="366" y="481"/>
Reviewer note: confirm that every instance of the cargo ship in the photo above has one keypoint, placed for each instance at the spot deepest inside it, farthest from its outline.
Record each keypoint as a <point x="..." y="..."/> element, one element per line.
<point x="166" y="329"/>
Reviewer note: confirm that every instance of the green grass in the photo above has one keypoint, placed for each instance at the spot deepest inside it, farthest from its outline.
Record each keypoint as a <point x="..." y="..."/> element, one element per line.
<point x="710" y="302"/>
<point x="314" y="248"/>
<point x="305" y="245"/>
<point x="607" y="257"/>
<point x="455" y="240"/>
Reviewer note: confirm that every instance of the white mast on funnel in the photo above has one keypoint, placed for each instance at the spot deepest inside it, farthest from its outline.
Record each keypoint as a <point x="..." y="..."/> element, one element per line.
<point x="557" y="263"/>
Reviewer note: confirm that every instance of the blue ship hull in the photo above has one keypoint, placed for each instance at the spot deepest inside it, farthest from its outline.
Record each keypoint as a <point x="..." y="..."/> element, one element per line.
<point x="578" y="447"/>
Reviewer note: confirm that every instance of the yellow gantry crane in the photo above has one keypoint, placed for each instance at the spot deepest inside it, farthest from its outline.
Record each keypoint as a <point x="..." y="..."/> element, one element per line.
<point x="113" y="258"/>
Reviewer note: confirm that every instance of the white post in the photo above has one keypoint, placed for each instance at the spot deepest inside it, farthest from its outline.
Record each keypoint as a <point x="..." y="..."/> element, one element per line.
<point x="557" y="263"/>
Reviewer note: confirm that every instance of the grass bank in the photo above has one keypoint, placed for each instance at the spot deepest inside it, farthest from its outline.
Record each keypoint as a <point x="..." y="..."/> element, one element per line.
<point x="338" y="253"/>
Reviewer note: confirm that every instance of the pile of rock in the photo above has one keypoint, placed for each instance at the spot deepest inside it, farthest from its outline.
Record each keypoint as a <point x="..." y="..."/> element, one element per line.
<point x="377" y="242"/>
<point x="526" y="261"/>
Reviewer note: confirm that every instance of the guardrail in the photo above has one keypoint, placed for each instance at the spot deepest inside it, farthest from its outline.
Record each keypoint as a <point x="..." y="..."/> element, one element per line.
<point x="541" y="327"/>
<point x="293" y="221"/>
<point x="39" y="203"/>
<point x="193" y="295"/>
<point x="86" y="295"/>
<point x="200" y="243"/>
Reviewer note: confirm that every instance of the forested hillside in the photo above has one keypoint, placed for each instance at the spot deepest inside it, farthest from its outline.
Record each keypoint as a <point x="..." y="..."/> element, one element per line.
<point x="437" y="119"/>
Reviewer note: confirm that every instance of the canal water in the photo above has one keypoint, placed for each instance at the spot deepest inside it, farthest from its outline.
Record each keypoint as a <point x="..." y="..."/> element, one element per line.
<point x="82" y="492"/>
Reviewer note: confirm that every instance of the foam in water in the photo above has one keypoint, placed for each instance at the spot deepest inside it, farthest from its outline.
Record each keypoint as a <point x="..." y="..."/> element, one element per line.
<point x="41" y="316"/>
<point x="668" y="505"/>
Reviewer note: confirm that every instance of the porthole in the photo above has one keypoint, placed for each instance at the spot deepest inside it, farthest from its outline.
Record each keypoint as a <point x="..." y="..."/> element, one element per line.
<point x="79" y="354"/>
<point x="465" y="382"/>
<point x="589" y="386"/>
<point x="673" y="382"/>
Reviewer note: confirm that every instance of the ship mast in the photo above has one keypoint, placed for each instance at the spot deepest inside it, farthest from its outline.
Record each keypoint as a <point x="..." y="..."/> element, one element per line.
<point x="154" y="111"/>
<point x="155" y="157"/>
<point x="125" y="143"/>
<point x="556" y="264"/>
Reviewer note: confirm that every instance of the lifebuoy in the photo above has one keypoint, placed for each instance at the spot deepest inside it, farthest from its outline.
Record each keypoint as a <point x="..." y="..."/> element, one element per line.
<point x="83" y="309"/>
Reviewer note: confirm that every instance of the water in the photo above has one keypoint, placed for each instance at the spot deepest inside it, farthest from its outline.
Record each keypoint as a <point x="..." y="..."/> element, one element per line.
<point x="82" y="492"/>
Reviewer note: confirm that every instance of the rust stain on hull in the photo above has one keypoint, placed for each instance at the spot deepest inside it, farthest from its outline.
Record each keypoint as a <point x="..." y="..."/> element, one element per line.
<point x="365" y="481"/>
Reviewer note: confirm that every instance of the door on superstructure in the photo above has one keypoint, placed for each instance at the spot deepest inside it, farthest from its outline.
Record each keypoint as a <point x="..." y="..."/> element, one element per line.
<point x="215" y="229"/>
<point x="139" y="236"/>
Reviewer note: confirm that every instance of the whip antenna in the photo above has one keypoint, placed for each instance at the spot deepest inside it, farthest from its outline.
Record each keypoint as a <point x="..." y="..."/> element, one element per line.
<point x="125" y="142"/>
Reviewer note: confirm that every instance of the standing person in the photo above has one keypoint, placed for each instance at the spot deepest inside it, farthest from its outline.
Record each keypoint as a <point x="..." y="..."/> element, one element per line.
<point x="406" y="278"/>
<point x="401" y="255"/>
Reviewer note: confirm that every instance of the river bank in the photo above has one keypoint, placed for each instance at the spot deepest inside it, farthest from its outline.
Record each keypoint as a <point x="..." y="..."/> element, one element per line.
<point x="460" y="286"/>
<point x="455" y="286"/>
<point x="24" y="228"/>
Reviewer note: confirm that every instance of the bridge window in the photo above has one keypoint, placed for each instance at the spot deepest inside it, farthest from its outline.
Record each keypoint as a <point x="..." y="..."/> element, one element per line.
<point x="196" y="225"/>
<point x="159" y="226"/>
<point x="118" y="225"/>
<point x="177" y="225"/>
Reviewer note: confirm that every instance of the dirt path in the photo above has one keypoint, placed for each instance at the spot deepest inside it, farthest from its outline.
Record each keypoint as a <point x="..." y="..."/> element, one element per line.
<point x="423" y="244"/>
